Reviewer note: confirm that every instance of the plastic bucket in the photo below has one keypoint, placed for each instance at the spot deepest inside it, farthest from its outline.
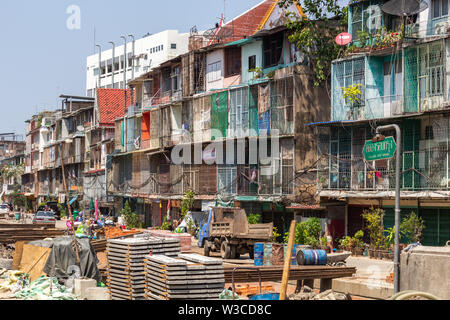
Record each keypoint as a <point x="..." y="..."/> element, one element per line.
<point x="259" y="254"/>
<point x="17" y="215"/>
<point x="312" y="258"/>
<point x="268" y="254"/>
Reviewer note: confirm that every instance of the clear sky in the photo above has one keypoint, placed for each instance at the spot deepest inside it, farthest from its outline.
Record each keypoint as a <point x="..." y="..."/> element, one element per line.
<point x="41" y="58"/>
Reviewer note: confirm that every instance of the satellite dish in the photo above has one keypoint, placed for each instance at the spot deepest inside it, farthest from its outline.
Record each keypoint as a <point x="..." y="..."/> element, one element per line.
<point x="404" y="8"/>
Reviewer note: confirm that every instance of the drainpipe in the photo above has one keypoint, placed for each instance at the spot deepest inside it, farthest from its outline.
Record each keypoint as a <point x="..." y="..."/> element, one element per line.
<point x="113" y="61"/>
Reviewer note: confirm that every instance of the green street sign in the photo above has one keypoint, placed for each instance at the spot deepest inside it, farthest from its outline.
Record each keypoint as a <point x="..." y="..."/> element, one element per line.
<point x="380" y="150"/>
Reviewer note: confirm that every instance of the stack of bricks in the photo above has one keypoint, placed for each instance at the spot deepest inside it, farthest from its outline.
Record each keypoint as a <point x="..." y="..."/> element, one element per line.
<point x="189" y="277"/>
<point x="126" y="271"/>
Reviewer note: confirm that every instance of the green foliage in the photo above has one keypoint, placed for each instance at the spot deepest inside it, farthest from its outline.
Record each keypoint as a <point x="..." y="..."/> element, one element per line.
<point x="286" y="237"/>
<point x="309" y="232"/>
<point x="12" y="171"/>
<point x="353" y="242"/>
<point x="324" y="241"/>
<point x="254" y="218"/>
<point x="257" y="72"/>
<point x="412" y="227"/>
<point x="17" y="198"/>
<point x="374" y="226"/>
<point x="275" y="235"/>
<point x="131" y="218"/>
<point x="363" y="38"/>
<point x="187" y="203"/>
<point x="352" y="94"/>
<point x="165" y="225"/>
<point x="314" y="33"/>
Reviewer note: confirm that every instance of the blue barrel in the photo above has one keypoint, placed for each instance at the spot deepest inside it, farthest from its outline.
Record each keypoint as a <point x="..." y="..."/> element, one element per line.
<point x="294" y="254"/>
<point x="312" y="258"/>
<point x="268" y="255"/>
<point x="266" y="297"/>
<point x="259" y="254"/>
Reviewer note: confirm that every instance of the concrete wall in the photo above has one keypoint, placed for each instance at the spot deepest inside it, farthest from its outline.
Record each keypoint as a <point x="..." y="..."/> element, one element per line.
<point x="426" y="269"/>
<point x="252" y="49"/>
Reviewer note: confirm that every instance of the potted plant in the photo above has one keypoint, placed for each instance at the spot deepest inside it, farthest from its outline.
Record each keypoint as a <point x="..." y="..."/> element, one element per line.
<point x="374" y="226"/>
<point x="357" y="243"/>
<point x="412" y="228"/>
<point x="352" y="97"/>
<point x="389" y="243"/>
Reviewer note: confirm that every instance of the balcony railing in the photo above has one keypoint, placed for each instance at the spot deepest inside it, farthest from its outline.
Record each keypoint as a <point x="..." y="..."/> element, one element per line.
<point x="433" y="27"/>
<point x="384" y="107"/>
<point x="422" y="170"/>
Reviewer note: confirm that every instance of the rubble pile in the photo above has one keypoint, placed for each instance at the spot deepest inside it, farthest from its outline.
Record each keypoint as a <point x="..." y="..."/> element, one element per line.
<point x="308" y="294"/>
<point x="6" y="251"/>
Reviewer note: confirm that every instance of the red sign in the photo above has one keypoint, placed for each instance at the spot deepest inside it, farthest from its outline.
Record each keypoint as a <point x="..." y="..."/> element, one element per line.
<point x="344" y="38"/>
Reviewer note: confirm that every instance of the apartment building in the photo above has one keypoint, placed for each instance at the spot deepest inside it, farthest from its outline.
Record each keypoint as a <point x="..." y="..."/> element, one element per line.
<point x="106" y="68"/>
<point x="402" y="78"/>
<point x="212" y="98"/>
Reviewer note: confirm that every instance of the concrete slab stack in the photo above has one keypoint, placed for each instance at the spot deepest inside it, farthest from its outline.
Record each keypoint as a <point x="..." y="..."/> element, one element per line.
<point x="188" y="277"/>
<point x="126" y="271"/>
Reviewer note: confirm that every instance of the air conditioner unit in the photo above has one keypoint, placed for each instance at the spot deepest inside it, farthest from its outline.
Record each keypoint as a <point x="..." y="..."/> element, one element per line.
<point x="397" y="107"/>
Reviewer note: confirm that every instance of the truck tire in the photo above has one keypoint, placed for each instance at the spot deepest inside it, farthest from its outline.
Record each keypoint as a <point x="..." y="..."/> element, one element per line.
<point x="233" y="252"/>
<point x="225" y="250"/>
<point x="206" y="249"/>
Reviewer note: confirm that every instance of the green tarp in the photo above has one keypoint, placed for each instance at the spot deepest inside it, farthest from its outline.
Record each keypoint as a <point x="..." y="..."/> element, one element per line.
<point x="219" y="114"/>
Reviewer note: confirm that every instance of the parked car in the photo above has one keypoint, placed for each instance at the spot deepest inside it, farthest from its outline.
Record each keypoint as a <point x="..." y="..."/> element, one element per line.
<point x="4" y="210"/>
<point x="44" y="217"/>
<point x="53" y="206"/>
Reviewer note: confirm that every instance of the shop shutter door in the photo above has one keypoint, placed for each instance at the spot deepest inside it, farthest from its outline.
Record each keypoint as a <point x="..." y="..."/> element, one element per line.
<point x="444" y="226"/>
<point x="431" y="231"/>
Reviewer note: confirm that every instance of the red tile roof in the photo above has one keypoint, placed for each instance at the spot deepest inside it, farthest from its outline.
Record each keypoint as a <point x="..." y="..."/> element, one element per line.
<point x="246" y="24"/>
<point x="111" y="105"/>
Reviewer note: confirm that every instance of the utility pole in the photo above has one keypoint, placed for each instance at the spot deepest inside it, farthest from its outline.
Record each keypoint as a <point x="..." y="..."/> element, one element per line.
<point x="113" y="61"/>
<point x="124" y="64"/>
<point x="397" y="200"/>
<point x="99" y="66"/>
<point x="75" y="242"/>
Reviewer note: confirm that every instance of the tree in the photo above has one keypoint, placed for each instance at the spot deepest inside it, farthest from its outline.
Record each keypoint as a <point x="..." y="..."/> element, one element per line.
<point x="412" y="227"/>
<point x="131" y="218"/>
<point x="187" y="203"/>
<point x="314" y="33"/>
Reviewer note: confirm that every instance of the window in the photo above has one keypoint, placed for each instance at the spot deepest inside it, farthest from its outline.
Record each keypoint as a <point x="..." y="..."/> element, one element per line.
<point x="273" y="50"/>
<point x="239" y="113"/>
<point x="214" y="72"/>
<point x="429" y="134"/>
<point x="232" y="62"/>
<point x="440" y="8"/>
<point x="173" y="46"/>
<point x="251" y="62"/>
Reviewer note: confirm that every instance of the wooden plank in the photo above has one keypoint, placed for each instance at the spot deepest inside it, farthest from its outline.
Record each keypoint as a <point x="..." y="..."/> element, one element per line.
<point x="34" y="260"/>
<point x="288" y="261"/>
<point x="17" y="257"/>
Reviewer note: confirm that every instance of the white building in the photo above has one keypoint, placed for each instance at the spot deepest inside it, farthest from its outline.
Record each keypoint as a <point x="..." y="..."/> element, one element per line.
<point x="149" y="52"/>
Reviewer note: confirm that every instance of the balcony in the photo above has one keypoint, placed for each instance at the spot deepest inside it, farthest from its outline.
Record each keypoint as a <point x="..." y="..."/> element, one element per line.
<point x="383" y="107"/>
<point x="431" y="28"/>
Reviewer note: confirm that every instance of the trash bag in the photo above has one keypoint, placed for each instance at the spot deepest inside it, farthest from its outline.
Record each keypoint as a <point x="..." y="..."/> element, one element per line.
<point x="46" y="288"/>
<point x="228" y="295"/>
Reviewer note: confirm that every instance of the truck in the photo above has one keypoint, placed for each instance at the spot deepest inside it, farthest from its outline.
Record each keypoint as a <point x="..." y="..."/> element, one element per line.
<point x="227" y="230"/>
